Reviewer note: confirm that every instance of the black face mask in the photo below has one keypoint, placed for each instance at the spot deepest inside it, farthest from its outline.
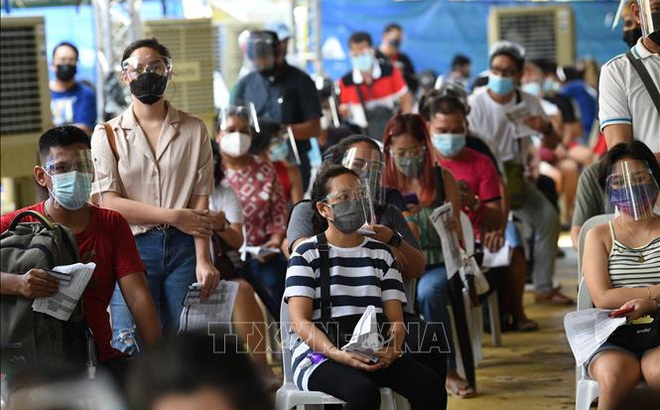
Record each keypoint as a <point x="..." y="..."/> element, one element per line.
<point x="149" y="87"/>
<point x="655" y="36"/>
<point x="65" y="72"/>
<point x="395" y="42"/>
<point x="630" y="37"/>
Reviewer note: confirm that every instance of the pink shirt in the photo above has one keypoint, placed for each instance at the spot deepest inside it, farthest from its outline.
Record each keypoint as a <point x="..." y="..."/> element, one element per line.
<point x="479" y="173"/>
<point x="262" y="197"/>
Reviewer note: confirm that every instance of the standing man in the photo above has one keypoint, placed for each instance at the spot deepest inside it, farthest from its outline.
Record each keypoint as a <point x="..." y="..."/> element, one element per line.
<point x="72" y="102"/>
<point x="627" y="109"/>
<point x="389" y="51"/>
<point x="507" y="117"/>
<point x="373" y="91"/>
<point x="281" y="94"/>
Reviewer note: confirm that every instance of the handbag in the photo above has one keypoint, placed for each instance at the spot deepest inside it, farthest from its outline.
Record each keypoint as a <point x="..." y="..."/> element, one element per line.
<point x="639" y="335"/>
<point x="339" y="330"/>
<point x="221" y="259"/>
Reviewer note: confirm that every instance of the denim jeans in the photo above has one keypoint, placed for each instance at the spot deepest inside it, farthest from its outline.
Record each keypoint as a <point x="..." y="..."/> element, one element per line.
<point x="169" y="258"/>
<point x="432" y="300"/>
<point x="268" y="281"/>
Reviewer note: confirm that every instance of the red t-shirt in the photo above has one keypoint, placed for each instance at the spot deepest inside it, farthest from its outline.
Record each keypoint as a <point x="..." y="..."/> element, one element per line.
<point x="108" y="242"/>
<point x="479" y="173"/>
<point x="385" y="90"/>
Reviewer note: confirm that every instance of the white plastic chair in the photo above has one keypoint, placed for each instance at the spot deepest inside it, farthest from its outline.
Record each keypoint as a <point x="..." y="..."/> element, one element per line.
<point x="586" y="389"/>
<point x="288" y="396"/>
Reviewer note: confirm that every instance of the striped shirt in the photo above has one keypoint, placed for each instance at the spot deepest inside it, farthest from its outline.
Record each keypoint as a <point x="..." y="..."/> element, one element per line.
<point x="359" y="277"/>
<point x="634" y="267"/>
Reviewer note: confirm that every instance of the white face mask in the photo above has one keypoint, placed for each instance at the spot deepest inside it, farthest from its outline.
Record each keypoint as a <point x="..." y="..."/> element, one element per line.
<point x="235" y="144"/>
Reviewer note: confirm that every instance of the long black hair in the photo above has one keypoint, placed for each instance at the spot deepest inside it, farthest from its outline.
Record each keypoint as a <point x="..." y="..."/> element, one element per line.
<point x="632" y="149"/>
<point x="320" y="190"/>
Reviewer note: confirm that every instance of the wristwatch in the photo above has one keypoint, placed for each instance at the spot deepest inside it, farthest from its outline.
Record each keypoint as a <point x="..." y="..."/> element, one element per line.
<point x="395" y="240"/>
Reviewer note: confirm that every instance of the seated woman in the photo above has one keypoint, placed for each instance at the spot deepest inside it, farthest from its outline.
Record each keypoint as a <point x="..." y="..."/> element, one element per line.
<point x="622" y="270"/>
<point x="362" y="272"/>
<point x="287" y="173"/>
<point x="227" y="216"/>
<point x="264" y="208"/>
<point x="410" y="167"/>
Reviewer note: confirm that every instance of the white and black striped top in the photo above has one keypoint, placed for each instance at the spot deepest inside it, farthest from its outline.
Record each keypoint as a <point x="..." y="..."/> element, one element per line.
<point x="359" y="277"/>
<point x="634" y="267"/>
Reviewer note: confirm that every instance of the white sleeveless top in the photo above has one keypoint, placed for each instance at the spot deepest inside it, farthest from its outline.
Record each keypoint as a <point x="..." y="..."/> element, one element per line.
<point x="634" y="267"/>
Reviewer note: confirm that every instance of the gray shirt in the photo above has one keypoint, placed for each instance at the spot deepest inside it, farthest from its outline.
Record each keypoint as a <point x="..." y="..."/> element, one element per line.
<point x="590" y="199"/>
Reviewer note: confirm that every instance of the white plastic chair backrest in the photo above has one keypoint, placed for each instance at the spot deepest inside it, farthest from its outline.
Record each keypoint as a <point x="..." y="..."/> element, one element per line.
<point x="468" y="233"/>
<point x="583" y="297"/>
<point x="285" y="328"/>
<point x="591" y="222"/>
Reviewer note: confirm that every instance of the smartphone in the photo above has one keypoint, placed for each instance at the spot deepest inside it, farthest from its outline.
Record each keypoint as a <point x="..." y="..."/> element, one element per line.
<point x="621" y="312"/>
<point x="411" y="199"/>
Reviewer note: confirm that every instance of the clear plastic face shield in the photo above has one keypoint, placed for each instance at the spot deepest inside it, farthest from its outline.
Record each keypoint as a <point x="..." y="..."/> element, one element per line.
<point x="67" y="161"/>
<point x="234" y="129"/>
<point x="261" y="51"/>
<point x="649" y="16"/>
<point x="72" y="176"/>
<point x="631" y="189"/>
<point x="137" y="65"/>
<point x="369" y="165"/>
<point x="351" y="207"/>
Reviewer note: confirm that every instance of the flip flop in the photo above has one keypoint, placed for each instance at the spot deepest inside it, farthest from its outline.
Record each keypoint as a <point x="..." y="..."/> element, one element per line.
<point x="524" y="325"/>
<point x="458" y="392"/>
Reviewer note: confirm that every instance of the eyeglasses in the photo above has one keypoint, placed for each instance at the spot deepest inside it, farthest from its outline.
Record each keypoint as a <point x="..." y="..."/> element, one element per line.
<point x="640" y="177"/>
<point x="344" y="195"/>
<point x="81" y="161"/>
<point x="135" y="66"/>
<point x="408" y="152"/>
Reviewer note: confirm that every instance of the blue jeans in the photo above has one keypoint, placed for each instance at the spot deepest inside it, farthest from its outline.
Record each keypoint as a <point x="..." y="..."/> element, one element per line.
<point x="169" y="257"/>
<point x="432" y="300"/>
<point x="268" y="281"/>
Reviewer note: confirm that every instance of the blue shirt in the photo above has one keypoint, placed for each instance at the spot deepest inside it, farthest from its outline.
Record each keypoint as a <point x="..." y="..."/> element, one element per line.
<point x="74" y="106"/>
<point x="579" y="91"/>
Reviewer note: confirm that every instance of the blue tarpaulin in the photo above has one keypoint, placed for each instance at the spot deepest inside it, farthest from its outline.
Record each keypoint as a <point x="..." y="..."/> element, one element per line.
<point x="435" y="30"/>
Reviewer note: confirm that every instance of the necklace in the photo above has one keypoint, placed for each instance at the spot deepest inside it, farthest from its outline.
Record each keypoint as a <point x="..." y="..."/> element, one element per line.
<point x="638" y="252"/>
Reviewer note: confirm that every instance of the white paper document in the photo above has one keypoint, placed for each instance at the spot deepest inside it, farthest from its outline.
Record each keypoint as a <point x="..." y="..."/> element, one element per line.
<point x="63" y="303"/>
<point x="450" y="247"/>
<point x="587" y="329"/>
<point x="366" y="338"/>
<point x="502" y="257"/>
<point x="260" y="251"/>
<point x="217" y="308"/>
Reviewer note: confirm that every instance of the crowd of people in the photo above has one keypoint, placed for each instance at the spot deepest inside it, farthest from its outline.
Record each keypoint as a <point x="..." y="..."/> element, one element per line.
<point x="526" y="150"/>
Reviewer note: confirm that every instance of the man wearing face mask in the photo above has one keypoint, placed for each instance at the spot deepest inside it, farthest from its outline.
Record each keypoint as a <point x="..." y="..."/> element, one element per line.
<point x="390" y="50"/>
<point x="72" y="102"/>
<point x="506" y="116"/>
<point x="632" y="31"/>
<point x="103" y="237"/>
<point x="373" y="91"/>
<point x="281" y="94"/>
<point x="629" y="101"/>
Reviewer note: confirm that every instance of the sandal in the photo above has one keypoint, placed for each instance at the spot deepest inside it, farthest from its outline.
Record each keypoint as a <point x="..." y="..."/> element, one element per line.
<point x="524" y="325"/>
<point x="553" y="297"/>
<point x="459" y="388"/>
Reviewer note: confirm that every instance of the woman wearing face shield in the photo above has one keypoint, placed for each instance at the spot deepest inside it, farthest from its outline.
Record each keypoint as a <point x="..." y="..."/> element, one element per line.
<point x="622" y="272"/>
<point x="256" y="184"/>
<point x="154" y="166"/>
<point x="410" y="167"/>
<point x="361" y="272"/>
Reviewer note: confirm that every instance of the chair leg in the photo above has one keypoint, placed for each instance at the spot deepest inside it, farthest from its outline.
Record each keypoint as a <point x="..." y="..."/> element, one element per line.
<point x="495" y="325"/>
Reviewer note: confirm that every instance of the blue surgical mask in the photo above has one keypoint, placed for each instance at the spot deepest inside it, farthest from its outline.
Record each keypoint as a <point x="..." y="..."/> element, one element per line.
<point x="449" y="144"/>
<point x="278" y="151"/>
<point x="363" y="62"/>
<point x="71" y="189"/>
<point x="500" y="85"/>
<point x="551" y="86"/>
<point x="532" y="88"/>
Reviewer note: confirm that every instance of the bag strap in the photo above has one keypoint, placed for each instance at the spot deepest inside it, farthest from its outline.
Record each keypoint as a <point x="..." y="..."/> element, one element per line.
<point x="324" y="253"/>
<point x="646" y="79"/>
<point x="112" y="140"/>
<point x="47" y="223"/>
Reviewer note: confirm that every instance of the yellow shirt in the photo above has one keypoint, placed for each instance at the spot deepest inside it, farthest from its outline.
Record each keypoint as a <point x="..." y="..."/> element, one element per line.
<point x="181" y="167"/>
